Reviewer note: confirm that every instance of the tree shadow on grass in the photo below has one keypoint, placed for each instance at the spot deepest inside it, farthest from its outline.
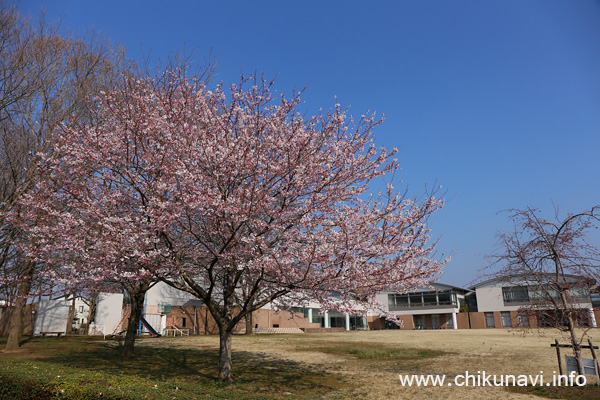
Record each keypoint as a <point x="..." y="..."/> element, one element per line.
<point x="252" y="371"/>
<point x="26" y="340"/>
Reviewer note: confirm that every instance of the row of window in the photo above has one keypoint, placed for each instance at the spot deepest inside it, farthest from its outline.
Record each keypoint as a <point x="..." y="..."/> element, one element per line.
<point x="422" y="299"/>
<point x="523" y="319"/>
<point x="336" y="319"/>
<point x="548" y="318"/>
<point x="525" y="294"/>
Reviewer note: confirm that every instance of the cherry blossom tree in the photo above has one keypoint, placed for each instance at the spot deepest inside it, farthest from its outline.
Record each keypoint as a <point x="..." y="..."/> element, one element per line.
<point x="557" y="261"/>
<point x="212" y="190"/>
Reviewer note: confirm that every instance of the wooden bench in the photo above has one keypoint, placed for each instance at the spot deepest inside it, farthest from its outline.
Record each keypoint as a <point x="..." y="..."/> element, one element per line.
<point x="58" y="334"/>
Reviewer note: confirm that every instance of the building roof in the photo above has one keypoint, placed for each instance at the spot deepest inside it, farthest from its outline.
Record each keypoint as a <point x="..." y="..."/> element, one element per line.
<point x="436" y="285"/>
<point x="522" y="277"/>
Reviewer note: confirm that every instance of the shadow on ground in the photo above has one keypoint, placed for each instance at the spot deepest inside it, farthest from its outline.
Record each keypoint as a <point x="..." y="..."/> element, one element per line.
<point x="256" y="371"/>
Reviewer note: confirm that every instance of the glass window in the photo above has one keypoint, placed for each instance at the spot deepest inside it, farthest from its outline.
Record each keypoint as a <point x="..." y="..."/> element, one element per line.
<point x="398" y="300"/>
<point x="506" y="320"/>
<point x="416" y="300"/>
<point x="430" y="299"/>
<point x="422" y="299"/>
<point x="445" y="297"/>
<point x="515" y="294"/>
<point x="357" y="322"/>
<point x="402" y="300"/>
<point x="489" y="320"/>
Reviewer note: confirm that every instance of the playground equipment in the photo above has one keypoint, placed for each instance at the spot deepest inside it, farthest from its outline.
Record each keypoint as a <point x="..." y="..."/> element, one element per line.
<point x="149" y="327"/>
<point x="176" y="330"/>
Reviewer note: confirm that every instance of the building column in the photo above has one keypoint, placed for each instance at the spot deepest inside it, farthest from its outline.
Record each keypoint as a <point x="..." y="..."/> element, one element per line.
<point x="347" y="321"/>
<point x="326" y="319"/>
<point x="454" y="324"/>
<point x="593" y="318"/>
<point x="310" y="315"/>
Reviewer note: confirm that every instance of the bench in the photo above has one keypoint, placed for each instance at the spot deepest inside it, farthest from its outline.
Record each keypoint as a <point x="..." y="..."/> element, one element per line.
<point x="58" y="334"/>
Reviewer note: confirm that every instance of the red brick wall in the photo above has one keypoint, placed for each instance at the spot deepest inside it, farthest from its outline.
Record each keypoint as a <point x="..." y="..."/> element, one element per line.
<point x="375" y="323"/>
<point x="28" y="319"/>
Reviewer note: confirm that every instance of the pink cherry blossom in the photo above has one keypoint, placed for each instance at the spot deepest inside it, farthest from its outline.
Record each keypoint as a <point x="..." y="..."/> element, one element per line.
<point x="210" y="190"/>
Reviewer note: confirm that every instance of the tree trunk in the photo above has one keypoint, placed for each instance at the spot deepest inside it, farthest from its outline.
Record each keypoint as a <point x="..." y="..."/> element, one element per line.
<point x="225" y="370"/>
<point x="137" y="295"/>
<point x="92" y="313"/>
<point x="575" y="343"/>
<point x="71" y="316"/>
<point x="248" y="318"/>
<point x="16" y="321"/>
<point x="572" y="333"/>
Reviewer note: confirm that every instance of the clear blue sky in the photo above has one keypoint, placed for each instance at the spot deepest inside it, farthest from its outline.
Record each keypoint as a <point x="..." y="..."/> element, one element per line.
<point x="499" y="102"/>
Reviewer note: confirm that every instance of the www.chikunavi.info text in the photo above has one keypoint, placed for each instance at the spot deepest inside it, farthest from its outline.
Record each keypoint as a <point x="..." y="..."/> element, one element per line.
<point x="482" y="379"/>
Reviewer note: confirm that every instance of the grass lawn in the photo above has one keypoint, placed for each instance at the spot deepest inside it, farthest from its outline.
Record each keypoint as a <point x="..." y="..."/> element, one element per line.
<point x="308" y="366"/>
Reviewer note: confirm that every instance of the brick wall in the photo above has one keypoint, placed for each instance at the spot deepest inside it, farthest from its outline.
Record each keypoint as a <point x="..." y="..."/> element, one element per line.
<point x="29" y="316"/>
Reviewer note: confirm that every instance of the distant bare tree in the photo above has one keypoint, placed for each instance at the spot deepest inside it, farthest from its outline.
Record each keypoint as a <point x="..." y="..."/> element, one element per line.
<point x="46" y="78"/>
<point x="557" y="263"/>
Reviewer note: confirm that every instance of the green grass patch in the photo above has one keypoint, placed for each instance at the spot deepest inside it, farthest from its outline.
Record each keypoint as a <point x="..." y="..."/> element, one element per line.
<point x="367" y="351"/>
<point x="77" y="368"/>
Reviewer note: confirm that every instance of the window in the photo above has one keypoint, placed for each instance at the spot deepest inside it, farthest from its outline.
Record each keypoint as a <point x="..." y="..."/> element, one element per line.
<point x="416" y="299"/>
<point x="430" y="298"/>
<point x="183" y="321"/>
<point x="489" y="320"/>
<point x="400" y="301"/>
<point x="80" y="308"/>
<point x="515" y="294"/>
<point x="435" y="321"/>
<point x="316" y="318"/>
<point x="445" y="297"/>
<point x="506" y="320"/>
<point x="422" y="299"/>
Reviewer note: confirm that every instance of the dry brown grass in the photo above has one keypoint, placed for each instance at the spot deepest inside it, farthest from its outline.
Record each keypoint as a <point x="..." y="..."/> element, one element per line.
<point x="495" y="351"/>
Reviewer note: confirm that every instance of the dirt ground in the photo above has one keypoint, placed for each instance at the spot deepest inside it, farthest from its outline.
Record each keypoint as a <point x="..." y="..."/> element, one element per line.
<point x="493" y="351"/>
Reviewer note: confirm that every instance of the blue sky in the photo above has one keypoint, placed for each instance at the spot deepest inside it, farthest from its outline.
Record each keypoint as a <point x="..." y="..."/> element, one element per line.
<point x="499" y="102"/>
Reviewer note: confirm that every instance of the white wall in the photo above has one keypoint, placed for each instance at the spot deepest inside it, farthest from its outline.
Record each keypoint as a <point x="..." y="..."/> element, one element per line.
<point x="490" y="298"/>
<point x="163" y="293"/>
<point x="108" y="312"/>
<point x="52" y="316"/>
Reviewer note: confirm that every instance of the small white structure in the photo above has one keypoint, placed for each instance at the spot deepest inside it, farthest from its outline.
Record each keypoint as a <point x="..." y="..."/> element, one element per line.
<point x="161" y="293"/>
<point x="108" y="312"/>
<point x="159" y="299"/>
<point x="52" y="316"/>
